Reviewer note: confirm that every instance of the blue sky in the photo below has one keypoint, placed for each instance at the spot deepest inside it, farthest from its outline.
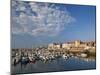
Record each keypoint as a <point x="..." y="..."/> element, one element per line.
<point x="34" y="24"/>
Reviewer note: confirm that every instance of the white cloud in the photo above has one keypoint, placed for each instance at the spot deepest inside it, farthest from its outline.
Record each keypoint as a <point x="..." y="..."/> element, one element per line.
<point x="44" y="19"/>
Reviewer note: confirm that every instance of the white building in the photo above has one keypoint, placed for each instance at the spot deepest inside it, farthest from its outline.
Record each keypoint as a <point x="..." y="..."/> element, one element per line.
<point x="67" y="45"/>
<point x="54" y="46"/>
<point x="50" y="46"/>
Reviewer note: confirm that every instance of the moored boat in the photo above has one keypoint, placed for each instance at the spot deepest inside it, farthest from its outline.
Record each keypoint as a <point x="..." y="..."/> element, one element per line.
<point x="32" y="59"/>
<point x="24" y="60"/>
<point x="65" y="56"/>
<point x="83" y="55"/>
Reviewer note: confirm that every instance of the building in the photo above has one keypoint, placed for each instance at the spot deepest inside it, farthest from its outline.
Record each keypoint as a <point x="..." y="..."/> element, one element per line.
<point x="73" y="46"/>
<point x="50" y="46"/>
<point x="77" y="49"/>
<point x="55" y="46"/>
<point x="67" y="45"/>
<point x="77" y="43"/>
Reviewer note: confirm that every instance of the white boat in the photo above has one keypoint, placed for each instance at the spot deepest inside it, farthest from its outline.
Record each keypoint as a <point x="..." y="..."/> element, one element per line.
<point x="65" y="56"/>
<point x="24" y="60"/>
<point x="83" y="55"/>
<point x="32" y="59"/>
<point x="15" y="60"/>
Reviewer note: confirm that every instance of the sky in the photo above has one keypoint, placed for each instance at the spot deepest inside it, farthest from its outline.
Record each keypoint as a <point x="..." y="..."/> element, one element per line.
<point x="35" y="24"/>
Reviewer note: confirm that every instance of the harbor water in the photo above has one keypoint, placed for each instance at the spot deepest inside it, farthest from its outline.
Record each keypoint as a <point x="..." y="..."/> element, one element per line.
<point x="60" y="64"/>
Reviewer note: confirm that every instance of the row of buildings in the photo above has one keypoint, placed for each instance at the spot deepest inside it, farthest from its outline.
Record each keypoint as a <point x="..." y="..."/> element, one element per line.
<point x="75" y="45"/>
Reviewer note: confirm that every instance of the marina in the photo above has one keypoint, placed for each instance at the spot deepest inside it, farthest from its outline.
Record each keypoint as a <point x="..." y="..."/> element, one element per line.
<point x="60" y="64"/>
<point x="68" y="56"/>
<point x="45" y="60"/>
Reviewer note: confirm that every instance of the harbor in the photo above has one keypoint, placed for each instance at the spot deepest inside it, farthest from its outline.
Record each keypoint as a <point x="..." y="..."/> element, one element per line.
<point x="59" y="64"/>
<point x="68" y="54"/>
<point x="44" y="60"/>
<point x="44" y="55"/>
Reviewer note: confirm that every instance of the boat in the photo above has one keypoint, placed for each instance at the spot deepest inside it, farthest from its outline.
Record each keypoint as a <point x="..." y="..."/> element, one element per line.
<point x="65" y="56"/>
<point x="15" y="60"/>
<point x="32" y="59"/>
<point x="83" y="55"/>
<point x="24" y="60"/>
<point x="51" y="57"/>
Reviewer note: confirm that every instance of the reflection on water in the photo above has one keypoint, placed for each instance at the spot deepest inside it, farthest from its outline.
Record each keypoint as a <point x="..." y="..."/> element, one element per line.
<point x="60" y="64"/>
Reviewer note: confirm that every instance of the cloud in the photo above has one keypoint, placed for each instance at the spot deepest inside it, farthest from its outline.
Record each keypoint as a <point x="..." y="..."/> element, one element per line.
<point x="39" y="19"/>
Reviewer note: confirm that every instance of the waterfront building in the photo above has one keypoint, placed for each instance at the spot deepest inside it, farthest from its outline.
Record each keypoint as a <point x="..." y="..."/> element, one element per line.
<point x="55" y="46"/>
<point x="66" y="46"/>
<point x="77" y="46"/>
<point x="77" y="49"/>
<point x="77" y="43"/>
<point x="50" y="46"/>
<point x="92" y="50"/>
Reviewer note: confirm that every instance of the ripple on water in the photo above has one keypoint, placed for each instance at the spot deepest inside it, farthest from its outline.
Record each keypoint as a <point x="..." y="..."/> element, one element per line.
<point x="54" y="65"/>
